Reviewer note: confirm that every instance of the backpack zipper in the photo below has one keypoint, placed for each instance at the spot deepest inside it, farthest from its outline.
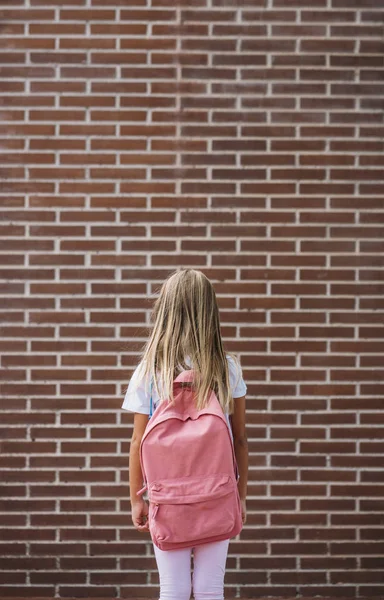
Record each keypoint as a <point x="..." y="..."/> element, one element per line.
<point x="140" y="492"/>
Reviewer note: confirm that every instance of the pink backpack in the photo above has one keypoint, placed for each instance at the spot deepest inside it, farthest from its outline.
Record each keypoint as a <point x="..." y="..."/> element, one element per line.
<point x="190" y="471"/>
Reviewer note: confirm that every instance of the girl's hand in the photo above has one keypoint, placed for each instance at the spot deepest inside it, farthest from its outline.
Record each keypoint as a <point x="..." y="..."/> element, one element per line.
<point x="243" y="511"/>
<point x="139" y="512"/>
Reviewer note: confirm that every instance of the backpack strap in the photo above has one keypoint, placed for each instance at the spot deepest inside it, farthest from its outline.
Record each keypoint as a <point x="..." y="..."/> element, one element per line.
<point x="150" y="402"/>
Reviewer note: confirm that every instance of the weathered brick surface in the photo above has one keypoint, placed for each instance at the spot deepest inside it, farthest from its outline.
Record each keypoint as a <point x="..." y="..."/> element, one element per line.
<point x="241" y="138"/>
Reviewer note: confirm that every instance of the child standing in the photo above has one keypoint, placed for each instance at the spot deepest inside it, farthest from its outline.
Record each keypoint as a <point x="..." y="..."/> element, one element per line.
<point x="186" y="335"/>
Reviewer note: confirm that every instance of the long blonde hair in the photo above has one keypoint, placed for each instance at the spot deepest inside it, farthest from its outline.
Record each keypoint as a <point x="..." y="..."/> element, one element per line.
<point x="186" y="323"/>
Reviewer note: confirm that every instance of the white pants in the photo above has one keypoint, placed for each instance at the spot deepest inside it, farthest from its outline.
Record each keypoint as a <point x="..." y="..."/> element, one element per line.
<point x="208" y="574"/>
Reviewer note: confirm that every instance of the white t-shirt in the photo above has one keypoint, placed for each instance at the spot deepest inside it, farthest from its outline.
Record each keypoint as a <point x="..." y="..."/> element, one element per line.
<point x="137" y="396"/>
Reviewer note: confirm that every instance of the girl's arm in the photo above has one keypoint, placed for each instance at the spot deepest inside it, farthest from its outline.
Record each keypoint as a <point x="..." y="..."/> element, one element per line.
<point x="240" y="444"/>
<point x="135" y="475"/>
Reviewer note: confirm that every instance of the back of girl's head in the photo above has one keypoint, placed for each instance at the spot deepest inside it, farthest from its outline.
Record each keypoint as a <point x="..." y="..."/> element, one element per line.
<point x="186" y="335"/>
<point x="186" y="317"/>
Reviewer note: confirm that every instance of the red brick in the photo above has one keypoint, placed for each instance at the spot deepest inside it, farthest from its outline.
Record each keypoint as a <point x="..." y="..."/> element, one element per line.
<point x="37" y="14"/>
<point x="298" y="548"/>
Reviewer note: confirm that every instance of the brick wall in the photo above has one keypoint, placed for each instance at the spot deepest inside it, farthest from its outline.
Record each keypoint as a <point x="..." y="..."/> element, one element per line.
<point x="241" y="138"/>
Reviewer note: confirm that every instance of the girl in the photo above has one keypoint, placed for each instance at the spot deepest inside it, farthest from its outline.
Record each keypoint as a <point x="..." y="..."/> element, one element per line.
<point x="186" y="335"/>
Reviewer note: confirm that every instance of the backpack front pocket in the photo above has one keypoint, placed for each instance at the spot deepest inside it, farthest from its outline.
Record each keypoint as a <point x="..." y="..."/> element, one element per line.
<point x="191" y="508"/>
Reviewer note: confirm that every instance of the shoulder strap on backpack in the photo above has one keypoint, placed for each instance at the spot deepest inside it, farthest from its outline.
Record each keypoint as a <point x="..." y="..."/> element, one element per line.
<point x="150" y="405"/>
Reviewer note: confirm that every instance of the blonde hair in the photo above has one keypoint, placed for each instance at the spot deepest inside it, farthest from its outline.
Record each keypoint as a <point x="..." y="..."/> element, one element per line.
<point x="186" y="323"/>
